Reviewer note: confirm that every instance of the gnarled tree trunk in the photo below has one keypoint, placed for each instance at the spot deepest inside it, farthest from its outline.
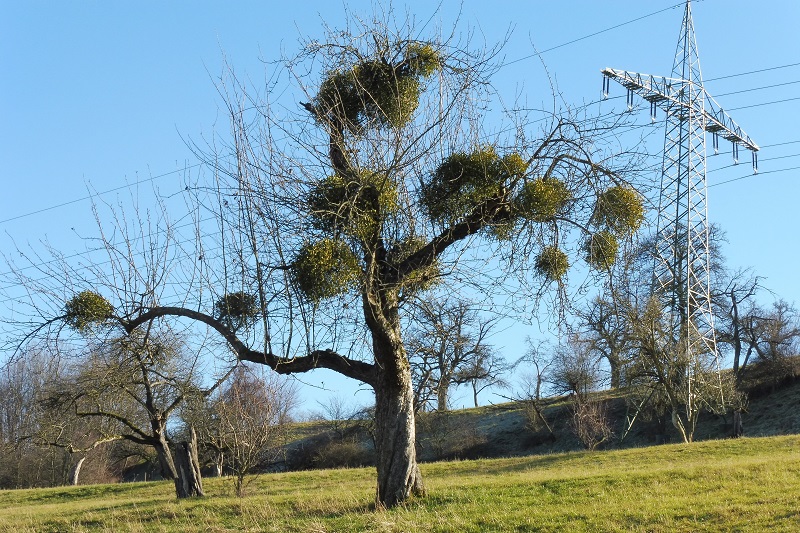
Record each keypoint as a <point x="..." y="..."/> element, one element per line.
<point x="165" y="459"/>
<point x="188" y="482"/>
<point x="395" y="431"/>
<point x="395" y="442"/>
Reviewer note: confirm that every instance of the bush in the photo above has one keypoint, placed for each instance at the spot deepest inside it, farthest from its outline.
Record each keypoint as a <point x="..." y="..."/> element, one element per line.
<point x="590" y="422"/>
<point x="347" y="453"/>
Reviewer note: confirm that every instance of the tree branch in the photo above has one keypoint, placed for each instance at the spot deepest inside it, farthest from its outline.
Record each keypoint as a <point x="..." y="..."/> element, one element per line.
<point x="329" y="359"/>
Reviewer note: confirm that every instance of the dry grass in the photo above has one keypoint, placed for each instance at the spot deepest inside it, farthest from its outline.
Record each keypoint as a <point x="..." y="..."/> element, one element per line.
<point x="731" y="485"/>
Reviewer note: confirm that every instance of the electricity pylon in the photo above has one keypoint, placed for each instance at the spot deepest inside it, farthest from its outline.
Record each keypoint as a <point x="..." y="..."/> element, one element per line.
<point x="682" y="270"/>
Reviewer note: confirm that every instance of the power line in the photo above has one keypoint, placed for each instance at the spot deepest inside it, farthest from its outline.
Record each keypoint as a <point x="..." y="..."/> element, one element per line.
<point x="153" y="178"/>
<point x="780" y="144"/>
<point x="573" y="41"/>
<point x="752" y="72"/>
<point x="680" y="4"/>
<point x="760" y="160"/>
<point x="112" y="244"/>
<point x="181" y="243"/>
<point x="764" y="103"/>
<point x="754" y="175"/>
<point x="89" y="197"/>
<point x="758" y="88"/>
<point x="605" y="30"/>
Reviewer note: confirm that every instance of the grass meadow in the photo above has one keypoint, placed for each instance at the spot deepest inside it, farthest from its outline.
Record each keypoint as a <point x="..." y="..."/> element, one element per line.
<point x="750" y="484"/>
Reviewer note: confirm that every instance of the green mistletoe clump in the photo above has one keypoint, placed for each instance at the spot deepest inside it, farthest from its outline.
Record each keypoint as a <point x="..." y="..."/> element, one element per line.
<point x="325" y="269"/>
<point x="87" y="309"/>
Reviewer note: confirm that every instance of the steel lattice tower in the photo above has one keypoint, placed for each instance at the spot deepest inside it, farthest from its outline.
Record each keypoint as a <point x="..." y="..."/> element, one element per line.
<point x="682" y="270"/>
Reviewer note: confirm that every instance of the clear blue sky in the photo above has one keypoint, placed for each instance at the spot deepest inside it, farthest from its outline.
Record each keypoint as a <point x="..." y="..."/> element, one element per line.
<point x="103" y="94"/>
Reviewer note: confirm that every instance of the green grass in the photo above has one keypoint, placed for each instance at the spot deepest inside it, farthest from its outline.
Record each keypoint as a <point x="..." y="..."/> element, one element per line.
<point x="727" y="485"/>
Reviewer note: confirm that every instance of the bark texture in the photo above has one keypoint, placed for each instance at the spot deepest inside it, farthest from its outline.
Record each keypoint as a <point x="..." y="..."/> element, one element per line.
<point x="188" y="482"/>
<point x="398" y="472"/>
<point x="165" y="459"/>
<point x="738" y="427"/>
<point x="442" y="394"/>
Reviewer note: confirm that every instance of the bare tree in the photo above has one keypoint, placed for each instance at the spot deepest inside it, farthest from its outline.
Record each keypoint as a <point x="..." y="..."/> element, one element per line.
<point x="538" y="359"/>
<point x="625" y="325"/>
<point x="341" y="416"/>
<point x="735" y="322"/>
<point x="131" y="389"/>
<point x="485" y="369"/>
<point x="251" y="413"/>
<point x="24" y="463"/>
<point x="664" y="375"/>
<point x="576" y="372"/>
<point x="608" y="332"/>
<point x="575" y="369"/>
<point x="390" y="178"/>
<point x="775" y="335"/>
<point x="448" y="347"/>
<point x="735" y="319"/>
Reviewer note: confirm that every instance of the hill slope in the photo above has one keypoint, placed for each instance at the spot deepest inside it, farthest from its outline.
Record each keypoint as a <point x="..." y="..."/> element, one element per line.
<point x="505" y="430"/>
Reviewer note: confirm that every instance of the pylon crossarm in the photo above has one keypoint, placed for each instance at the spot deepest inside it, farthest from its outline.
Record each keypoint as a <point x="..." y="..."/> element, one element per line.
<point x="663" y="91"/>
<point x="718" y="122"/>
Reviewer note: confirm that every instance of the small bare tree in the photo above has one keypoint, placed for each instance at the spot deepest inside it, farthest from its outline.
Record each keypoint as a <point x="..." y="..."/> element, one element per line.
<point x="670" y="380"/>
<point x="536" y="364"/>
<point x="576" y="372"/>
<point x="775" y="336"/>
<point x="486" y="368"/>
<point x="251" y="413"/>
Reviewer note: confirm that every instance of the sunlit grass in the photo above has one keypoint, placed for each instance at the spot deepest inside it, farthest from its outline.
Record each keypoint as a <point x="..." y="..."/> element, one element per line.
<point x="730" y="485"/>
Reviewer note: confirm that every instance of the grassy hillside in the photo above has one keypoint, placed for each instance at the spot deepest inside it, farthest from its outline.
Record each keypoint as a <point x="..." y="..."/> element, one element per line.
<point x="747" y="484"/>
<point x="505" y="430"/>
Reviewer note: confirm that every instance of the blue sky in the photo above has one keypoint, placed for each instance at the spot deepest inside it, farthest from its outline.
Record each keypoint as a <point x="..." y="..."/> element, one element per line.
<point x="101" y="95"/>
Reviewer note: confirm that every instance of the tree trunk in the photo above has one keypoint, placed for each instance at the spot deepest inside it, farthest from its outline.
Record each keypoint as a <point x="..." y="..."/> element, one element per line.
<point x="441" y="394"/>
<point x="165" y="458"/>
<point x="75" y="471"/>
<point x="614" y="365"/>
<point x="738" y="427"/>
<point x="680" y="426"/>
<point x="188" y="482"/>
<point x="398" y="472"/>
<point x="218" y="463"/>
